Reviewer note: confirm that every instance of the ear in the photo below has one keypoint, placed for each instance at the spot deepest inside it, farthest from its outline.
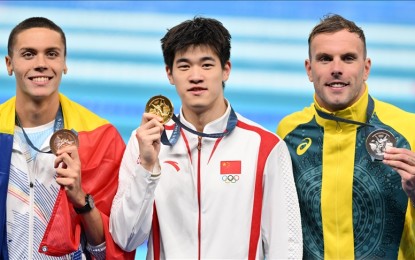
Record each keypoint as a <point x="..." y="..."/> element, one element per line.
<point x="307" y="65"/>
<point x="226" y="71"/>
<point x="9" y="65"/>
<point x="65" y="69"/>
<point x="169" y="75"/>
<point x="368" y="65"/>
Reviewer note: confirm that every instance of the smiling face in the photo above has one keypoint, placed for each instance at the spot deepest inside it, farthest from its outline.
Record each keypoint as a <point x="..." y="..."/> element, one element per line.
<point x="38" y="60"/>
<point x="198" y="75"/>
<point x="338" y="69"/>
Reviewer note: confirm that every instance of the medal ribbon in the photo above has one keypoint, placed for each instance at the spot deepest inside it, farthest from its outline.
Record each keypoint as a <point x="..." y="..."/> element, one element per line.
<point x="369" y="111"/>
<point x="232" y="120"/>
<point x="57" y="126"/>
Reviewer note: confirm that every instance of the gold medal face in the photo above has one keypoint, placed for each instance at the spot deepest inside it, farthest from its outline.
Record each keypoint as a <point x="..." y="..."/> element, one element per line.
<point x="161" y="106"/>
<point x="378" y="141"/>
<point x="62" y="138"/>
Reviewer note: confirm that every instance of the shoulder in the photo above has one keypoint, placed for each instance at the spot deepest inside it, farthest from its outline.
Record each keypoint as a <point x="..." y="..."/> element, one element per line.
<point x="391" y="114"/>
<point x="253" y="127"/>
<point x="79" y="117"/>
<point x="8" y="105"/>
<point x="397" y="118"/>
<point x="291" y="121"/>
<point x="7" y="116"/>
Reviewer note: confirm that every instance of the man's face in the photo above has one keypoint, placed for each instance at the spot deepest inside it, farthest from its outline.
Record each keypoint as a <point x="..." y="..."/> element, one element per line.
<point x="37" y="61"/>
<point x="338" y="69"/>
<point x="198" y="75"/>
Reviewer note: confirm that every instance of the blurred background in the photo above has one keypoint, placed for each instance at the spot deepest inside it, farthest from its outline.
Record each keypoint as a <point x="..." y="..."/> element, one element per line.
<point x="115" y="61"/>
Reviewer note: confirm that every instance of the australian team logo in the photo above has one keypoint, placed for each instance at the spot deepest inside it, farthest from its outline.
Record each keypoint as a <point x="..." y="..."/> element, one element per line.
<point x="377" y="142"/>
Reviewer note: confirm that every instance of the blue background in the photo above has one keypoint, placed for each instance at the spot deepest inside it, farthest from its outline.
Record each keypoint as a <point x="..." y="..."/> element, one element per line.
<point x="115" y="60"/>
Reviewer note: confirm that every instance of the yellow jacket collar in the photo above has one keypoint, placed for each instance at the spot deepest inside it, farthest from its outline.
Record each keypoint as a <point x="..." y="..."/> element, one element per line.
<point x="356" y="112"/>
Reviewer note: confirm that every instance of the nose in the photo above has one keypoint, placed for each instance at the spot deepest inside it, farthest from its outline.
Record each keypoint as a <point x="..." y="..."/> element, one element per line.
<point x="337" y="70"/>
<point x="41" y="63"/>
<point x="196" y="75"/>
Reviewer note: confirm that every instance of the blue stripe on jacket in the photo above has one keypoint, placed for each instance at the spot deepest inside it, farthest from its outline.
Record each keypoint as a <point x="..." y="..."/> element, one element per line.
<point x="6" y="145"/>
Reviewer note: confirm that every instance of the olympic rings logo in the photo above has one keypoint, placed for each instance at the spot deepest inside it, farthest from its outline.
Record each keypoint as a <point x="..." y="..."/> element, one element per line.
<point x="230" y="178"/>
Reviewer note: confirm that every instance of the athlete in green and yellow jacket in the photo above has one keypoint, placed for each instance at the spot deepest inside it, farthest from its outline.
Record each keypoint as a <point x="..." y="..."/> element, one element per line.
<point x="354" y="205"/>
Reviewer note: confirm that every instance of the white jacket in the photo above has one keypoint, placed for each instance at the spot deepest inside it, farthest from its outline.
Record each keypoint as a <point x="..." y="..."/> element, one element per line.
<point x="234" y="198"/>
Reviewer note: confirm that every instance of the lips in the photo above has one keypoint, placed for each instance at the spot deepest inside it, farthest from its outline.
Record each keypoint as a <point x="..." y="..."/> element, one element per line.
<point x="197" y="89"/>
<point x="40" y="79"/>
<point x="337" y="84"/>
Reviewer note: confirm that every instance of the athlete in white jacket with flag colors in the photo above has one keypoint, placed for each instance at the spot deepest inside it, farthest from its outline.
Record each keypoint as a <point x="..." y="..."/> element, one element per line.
<point x="209" y="184"/>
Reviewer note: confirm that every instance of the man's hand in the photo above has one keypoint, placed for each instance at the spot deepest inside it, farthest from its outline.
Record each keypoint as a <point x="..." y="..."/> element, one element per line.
<point x="68" y="174"/>
<point x="148" y="136"/>
<point x="403" y="162"/>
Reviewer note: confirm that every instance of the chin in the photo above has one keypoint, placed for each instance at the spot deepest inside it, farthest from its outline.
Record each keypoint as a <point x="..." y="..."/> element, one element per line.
<point x="338" y="107"/>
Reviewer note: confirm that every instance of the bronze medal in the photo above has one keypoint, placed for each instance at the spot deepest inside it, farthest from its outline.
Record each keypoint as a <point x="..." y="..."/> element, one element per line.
<point x="377" y="142"/>
<point x="161" y="106"/>
<point x="62" y="138"/>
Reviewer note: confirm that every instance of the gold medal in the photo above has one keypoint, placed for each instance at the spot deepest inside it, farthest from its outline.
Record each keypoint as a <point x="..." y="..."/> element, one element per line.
<point x="62" y="138"/>
<point x="161" y="106"/>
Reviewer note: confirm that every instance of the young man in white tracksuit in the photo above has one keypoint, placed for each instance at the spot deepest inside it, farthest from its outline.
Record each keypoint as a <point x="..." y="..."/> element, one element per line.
<point x="222" y="186"/>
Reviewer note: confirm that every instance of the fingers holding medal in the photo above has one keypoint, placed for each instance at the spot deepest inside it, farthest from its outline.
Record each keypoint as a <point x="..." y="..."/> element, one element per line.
<point x="160" y="106"/>
<point x="63" y="138"/>
<point x="377" y="142"/>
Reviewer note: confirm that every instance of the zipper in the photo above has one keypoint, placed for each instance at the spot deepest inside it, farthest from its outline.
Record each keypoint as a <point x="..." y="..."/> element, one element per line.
<point x="199" y="144"/>
<point x="199" y="235"/>
<point x="32" y="168"/>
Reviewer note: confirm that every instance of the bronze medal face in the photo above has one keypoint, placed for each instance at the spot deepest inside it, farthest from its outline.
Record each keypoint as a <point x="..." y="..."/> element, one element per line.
<point x="161" y="106"/>
<point x="377" y="142"/>
<point x="62" y="138"/>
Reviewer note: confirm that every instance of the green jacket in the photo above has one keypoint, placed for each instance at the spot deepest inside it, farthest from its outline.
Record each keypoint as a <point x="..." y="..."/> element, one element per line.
<point x="351" y="206"/>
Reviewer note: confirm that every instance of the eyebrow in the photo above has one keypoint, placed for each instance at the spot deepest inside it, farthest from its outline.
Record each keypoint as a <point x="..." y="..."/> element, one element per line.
<point x="353" y="54"/>
<point x="323" y="54"/>
<point x="206" y="58"/>
<point x="35" y="50"/>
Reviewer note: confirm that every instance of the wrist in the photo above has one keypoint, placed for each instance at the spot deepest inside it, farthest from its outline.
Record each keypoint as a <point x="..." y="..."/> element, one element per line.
<point x="79" y="201"/>
<point x="144" y="164"/>
<point x="156" y="170"/>
<point x="153" y="168"/>
<point x="87" y="206"/>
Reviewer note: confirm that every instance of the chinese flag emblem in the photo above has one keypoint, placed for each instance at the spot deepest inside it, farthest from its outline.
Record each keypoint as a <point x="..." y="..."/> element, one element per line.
<point x="230" y="167"/>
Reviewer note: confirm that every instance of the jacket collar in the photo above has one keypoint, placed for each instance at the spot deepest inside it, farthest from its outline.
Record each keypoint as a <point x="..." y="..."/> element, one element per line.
<point x="356" y="112"/>
<point x="216" y="126"/>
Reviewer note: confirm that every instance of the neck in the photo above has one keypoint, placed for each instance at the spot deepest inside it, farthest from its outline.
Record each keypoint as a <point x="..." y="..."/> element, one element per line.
<point x="200" y="119"/>
<point x="32" y="114"/>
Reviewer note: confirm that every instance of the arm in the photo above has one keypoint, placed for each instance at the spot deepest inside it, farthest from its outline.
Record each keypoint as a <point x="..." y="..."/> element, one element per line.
<point x="281" y="220"/>
<point x="68" y="170"/>
<point x="132" y="209"/>
<point x="100" y="153"/>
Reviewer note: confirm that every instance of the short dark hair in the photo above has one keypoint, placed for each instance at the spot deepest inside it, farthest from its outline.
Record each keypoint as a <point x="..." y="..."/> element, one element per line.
<point x="332" y="23"/>
<point x="33" y="22"/>
<point x="197" y="32"/>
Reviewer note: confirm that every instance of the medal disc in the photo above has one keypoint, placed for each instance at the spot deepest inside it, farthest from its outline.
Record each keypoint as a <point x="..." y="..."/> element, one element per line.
<point x="161" y="106"/>
<point x="377" y="142"/>
<point x="62" y="138"/>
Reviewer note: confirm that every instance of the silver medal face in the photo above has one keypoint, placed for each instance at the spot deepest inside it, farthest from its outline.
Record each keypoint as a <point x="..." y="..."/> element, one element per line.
<point x="377" y="142"/>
